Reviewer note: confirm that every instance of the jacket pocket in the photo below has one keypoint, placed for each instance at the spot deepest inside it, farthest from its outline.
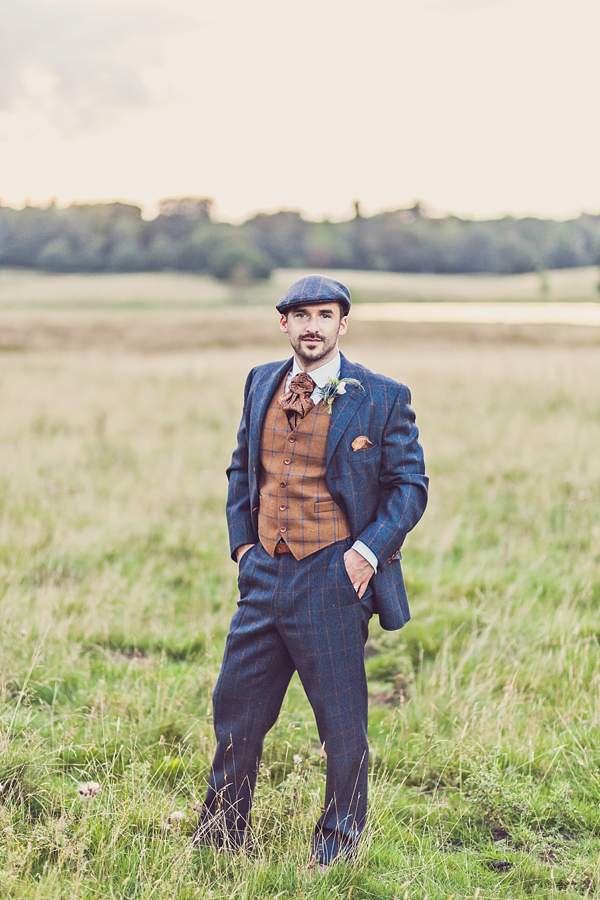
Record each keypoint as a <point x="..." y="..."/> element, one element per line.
<point x="244" y="559"/>
<point x="348" y="596"/>
<point x="324" y="506"/>
<point x="361" y="456"/>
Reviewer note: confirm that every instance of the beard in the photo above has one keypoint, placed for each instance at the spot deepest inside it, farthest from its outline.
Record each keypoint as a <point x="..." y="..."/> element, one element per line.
<point x="312" y="354"/>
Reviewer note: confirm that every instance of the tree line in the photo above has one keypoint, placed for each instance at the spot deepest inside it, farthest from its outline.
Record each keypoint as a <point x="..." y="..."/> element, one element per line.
<point x="184" y="236"/>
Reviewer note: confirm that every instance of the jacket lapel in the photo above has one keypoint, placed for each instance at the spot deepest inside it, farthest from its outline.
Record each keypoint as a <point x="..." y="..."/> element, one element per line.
<point x="344" y="407"/>
<point x="264" y="391"/>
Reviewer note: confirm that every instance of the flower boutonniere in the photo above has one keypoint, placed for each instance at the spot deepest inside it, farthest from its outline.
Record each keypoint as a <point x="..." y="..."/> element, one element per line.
<point x="335" y="387"/>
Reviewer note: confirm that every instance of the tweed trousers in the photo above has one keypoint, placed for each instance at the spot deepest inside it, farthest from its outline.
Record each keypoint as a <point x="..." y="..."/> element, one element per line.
<point x="292" y="615"/>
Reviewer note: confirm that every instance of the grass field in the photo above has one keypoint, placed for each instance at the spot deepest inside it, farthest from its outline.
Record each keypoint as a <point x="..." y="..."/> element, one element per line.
<point x="117" y="590"/>
<point x="27" y="289"/>
<point x="148" y="312"/>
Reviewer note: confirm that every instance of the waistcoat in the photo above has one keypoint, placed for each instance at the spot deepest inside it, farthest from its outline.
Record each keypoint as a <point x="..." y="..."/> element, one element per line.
<point x="295" y="503"/>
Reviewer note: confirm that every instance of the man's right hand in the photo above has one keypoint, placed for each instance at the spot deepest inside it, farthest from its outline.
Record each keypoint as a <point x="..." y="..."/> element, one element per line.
<point x="241" y="550"/>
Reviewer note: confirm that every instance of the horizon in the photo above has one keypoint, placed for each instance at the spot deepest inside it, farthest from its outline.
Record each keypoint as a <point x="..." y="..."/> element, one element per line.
<point x="151" y="211"/>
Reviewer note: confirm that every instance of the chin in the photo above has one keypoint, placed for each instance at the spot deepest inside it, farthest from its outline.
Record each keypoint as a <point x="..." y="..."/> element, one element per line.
<point x="311" y="357"/>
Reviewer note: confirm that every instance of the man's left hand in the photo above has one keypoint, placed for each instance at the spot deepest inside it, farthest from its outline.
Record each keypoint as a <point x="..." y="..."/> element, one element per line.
<point x="359" y="570"/>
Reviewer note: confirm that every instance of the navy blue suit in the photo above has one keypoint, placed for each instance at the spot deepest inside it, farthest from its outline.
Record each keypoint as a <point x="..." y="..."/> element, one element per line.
<point x="304" y="614"/>
<point x="382" y="490"/>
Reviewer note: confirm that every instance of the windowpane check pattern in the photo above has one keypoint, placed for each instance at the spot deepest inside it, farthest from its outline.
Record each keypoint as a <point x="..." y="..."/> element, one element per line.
<point x="294" y="502"/>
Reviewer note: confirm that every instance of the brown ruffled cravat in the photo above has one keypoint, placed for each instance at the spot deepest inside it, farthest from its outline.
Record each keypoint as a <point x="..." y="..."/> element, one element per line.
<point x="297" y="400"/>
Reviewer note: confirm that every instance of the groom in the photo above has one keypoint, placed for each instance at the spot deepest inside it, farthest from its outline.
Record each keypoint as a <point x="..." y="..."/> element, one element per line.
<point x="325" y="483"/>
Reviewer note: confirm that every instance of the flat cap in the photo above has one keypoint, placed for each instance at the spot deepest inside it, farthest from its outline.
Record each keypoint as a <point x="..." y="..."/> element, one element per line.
<point x="315" y="289"/>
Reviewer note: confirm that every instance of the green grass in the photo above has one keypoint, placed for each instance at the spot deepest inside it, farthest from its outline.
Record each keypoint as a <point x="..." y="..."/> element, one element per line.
<point x="117" y="589"/>
<point x="30" y="289"/>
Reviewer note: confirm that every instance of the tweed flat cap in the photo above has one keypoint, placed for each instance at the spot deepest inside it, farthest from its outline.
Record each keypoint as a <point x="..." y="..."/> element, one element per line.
<point x="315" y="289"/>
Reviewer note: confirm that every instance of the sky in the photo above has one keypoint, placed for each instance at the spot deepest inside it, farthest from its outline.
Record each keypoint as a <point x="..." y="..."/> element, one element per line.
<point x="476" y="107"/>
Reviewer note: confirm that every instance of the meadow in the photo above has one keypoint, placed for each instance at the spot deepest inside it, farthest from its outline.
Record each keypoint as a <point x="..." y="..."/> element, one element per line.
<point x="31" y="289"/>
<point x="117" y="588"/>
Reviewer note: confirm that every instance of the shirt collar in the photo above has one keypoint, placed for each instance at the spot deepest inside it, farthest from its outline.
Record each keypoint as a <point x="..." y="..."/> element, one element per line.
<point x="321" y="375"/>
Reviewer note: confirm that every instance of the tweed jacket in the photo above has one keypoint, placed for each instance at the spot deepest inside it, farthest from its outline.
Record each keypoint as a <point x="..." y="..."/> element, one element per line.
<point x="382" y="489"/>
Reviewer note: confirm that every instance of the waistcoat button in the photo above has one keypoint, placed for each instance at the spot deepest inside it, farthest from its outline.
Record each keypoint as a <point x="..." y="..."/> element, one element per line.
<point x="287" y="461"/>
<point x="282" y="508"/>
<point x="283" y="529"/>
<point x="282" y="484"/>
<point x="291" y="439"/>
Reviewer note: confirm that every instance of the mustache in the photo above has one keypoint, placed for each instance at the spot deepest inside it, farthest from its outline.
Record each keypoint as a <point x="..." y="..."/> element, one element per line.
<point x="312" y="337"/>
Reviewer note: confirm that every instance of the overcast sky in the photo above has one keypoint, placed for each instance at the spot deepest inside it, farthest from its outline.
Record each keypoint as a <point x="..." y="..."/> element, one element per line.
<point x="479" y="107"/>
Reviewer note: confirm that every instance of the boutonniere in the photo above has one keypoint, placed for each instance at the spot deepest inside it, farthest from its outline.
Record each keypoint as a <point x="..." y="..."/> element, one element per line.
<point x="335" y="387"/>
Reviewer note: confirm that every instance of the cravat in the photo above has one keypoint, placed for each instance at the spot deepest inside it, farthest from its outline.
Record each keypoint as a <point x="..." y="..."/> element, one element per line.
<point x="296" y="401"/>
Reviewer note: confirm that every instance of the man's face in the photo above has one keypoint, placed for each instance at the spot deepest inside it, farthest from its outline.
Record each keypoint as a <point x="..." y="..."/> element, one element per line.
<point x="313" y="331"/>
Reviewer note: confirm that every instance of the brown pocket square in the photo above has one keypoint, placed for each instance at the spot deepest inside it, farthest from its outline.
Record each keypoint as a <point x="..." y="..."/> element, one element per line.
<point x="362" y="442"/>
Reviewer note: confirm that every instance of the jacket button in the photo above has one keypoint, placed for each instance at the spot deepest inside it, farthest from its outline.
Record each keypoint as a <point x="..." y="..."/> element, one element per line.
<point x="287" y="461"/>
<point x="283" y="529"/>
<point x="255" y="509"/>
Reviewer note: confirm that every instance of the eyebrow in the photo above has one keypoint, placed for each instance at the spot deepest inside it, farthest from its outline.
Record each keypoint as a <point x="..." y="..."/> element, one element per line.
<point x="327" y="309"/>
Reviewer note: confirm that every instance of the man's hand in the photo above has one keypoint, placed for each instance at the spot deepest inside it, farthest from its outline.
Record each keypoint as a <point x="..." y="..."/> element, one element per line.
<point x="358" y="569"/>
<point x="241" y="550"/>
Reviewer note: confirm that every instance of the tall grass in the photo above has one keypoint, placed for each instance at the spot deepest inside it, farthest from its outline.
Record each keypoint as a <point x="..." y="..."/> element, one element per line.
<point x="117" y="591"/>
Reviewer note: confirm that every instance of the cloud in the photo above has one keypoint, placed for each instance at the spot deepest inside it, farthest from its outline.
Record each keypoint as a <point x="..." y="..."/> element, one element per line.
<point x="80" y="61"/>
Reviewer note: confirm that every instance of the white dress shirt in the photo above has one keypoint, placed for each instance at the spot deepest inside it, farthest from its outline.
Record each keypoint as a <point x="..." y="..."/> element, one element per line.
<point x="320" y="377"/>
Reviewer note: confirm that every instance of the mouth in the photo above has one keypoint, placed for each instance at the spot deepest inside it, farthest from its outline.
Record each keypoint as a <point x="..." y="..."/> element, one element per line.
<point x="311" y="341"/>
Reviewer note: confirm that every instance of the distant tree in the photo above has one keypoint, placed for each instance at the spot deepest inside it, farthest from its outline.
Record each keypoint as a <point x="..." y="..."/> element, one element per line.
<point x="237" y="261"/>
<point x="162" y="253"/>
<point x="195" y="252"/>
<point x="25" y="233"/>
<point x="90" y="253"/>
<point x="94" y="237"/>
<point x="56" y="256"/>
<point x="515" y="258"/>
<point x="359" y="240"/>
<point x="105" y="236"/>
<point x="477" y="251"/>
<point x="280" y="236"/>
<point x="597" y="260"/>
<point x="406" y="246"/>
<point x="326" y="248"/>
<point x="126" y="252"/>
<point x="195" y="209"/>
<point x="179" y="217"/>
<point x="126" y="256"/>
<point x="544" y="282"/>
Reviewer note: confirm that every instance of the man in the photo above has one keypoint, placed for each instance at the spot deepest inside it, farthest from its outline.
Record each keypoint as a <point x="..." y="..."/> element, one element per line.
<point x="326" y="481"/>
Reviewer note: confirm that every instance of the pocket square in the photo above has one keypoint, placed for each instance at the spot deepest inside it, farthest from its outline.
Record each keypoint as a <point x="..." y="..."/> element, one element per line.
<point x="362" y="442"/>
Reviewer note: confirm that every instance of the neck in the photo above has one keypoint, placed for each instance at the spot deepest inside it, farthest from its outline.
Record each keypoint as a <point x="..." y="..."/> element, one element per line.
<point x="310" y="366"/>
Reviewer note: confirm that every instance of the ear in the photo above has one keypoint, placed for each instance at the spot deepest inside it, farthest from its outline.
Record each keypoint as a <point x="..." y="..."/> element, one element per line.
<point x="343" y="325"/>
<point x="283" y="323"/>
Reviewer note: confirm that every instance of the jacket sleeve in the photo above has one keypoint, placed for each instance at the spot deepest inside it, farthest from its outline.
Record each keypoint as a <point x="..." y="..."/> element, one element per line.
<point x="402" y="482"/>
<point x="239" y="514"/>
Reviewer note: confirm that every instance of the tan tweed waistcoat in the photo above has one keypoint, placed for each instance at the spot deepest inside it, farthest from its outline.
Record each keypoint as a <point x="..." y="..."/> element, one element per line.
<point x="295" y="504"/>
